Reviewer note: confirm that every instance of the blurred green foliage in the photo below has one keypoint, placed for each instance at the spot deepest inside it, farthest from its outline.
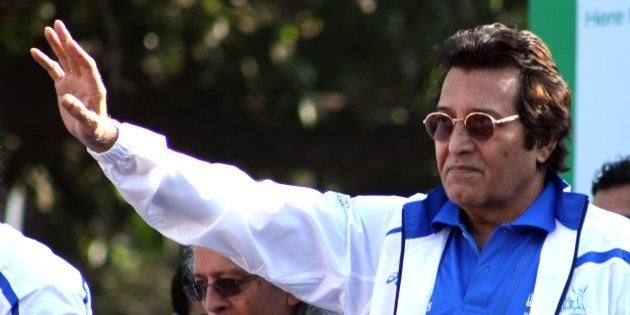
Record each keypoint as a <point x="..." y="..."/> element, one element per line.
<point x="323" y="93"/>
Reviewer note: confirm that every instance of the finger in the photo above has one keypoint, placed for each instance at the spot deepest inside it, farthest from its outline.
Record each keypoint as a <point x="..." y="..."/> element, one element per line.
<point x="52" y="67"/>
<point x="86" y="65"/>
<point x="79" y="111"/>
<point x="55" y="44"/>
<point x="66" y="39"/>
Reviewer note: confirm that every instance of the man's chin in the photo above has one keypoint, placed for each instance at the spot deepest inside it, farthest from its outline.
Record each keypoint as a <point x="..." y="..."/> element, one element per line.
<point x="463" y="196"/>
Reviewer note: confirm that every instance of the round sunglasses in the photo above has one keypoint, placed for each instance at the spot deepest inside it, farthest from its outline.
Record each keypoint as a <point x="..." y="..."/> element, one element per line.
<point x="480" y="126"/>
<point x="196" y="291"/>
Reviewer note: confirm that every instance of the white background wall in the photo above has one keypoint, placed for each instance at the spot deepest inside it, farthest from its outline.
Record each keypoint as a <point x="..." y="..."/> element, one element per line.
<point x="602" y="91"/>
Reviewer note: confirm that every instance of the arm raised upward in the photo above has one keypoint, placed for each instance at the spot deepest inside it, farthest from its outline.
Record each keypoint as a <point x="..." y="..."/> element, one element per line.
<point x="81" y="94"/>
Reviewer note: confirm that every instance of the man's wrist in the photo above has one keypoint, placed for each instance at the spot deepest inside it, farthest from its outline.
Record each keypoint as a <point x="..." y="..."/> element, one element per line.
<point x="105" y="139"/>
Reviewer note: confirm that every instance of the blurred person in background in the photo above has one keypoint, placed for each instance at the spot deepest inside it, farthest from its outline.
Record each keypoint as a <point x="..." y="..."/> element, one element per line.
<point x="33" y="280"/>
<point x="225" y="288"/>
<point x="611" y="187"/>
<point x="182" y="305"/>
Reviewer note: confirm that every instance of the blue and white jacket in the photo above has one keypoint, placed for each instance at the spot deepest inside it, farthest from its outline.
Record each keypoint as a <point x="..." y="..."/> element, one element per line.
<point x="359" y="255"/>
<point x="33" y="280"/>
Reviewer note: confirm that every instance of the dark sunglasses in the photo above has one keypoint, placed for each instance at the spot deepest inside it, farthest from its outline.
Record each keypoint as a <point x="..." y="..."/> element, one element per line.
<point x="480" y="126"/>
<point x="196" y="291"/>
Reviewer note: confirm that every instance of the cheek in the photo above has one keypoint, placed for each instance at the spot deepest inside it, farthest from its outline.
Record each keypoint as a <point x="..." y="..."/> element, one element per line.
<point x="264" y="298"/>
<point x="441" y="152"/>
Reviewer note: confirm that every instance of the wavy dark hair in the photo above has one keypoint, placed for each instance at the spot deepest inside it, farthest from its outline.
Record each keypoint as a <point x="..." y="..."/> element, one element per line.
<point x="544" y="101"/>
<point x="183" y="275"/>
<point x="612" y="174"/>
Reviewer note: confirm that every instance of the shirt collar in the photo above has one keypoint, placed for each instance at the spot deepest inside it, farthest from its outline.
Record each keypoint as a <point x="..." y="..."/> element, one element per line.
<point x="540" y="214"/>
<point x="447" y="216"/>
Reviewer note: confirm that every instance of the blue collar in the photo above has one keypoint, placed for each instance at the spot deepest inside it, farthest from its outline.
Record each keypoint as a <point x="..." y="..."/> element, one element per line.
<point x="430" y="215"/>
<point x="540" y="214"/>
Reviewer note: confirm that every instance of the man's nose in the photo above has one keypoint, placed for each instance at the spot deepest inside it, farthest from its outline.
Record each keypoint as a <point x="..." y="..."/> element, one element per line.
<point x="460" y="140"/>
<point x="214" y="303"/>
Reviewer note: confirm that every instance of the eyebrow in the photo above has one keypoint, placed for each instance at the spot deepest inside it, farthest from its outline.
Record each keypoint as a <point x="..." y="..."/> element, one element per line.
<point x="222" y="274"/>
<point x="449" y="111"/>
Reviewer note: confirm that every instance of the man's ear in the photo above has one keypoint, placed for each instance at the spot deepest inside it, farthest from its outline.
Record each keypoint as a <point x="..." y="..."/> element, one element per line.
<point x="544" y="152"/>
<point x="292" y="300"/>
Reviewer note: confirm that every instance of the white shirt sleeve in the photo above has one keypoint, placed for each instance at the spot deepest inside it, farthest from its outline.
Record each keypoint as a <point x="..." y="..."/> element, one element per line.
<point x="322" y="247"/>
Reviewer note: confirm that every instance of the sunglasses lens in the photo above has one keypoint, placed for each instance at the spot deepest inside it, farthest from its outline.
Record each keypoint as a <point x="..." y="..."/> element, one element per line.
<point x="439" y="126"/>
<point x="195" y="291"/>
<point x="480" y="126"/>
<point x="227" y="287"/>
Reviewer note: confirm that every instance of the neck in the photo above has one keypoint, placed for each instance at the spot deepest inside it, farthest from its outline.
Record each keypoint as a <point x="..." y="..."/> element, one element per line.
<point x="482" y="221"/>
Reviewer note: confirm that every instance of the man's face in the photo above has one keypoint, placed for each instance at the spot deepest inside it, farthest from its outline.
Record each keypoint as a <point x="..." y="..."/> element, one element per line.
<point x="616" y="199"/>
<point x="496" y="174"/>
<point x="256" y="297"/>
<point x="196" y="308"/>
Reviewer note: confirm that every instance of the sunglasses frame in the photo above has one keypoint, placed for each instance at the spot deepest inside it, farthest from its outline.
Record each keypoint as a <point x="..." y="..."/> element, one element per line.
<point x="196" y="291"/>
<point x="495" y="123"/>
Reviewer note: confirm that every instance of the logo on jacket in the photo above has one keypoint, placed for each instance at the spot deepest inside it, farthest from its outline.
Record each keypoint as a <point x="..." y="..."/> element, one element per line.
<point x="344" y="200"/>
<point x="393" y="278"/>
<point x="574" y="302"/>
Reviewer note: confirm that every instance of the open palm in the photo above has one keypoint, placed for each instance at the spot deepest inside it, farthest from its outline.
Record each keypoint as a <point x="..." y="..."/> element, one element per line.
<point x="81" y="95"/>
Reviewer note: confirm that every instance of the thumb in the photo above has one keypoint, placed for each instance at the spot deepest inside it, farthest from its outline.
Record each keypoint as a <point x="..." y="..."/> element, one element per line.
<point x="96" y="132"/>
<point x="86" y="118"/>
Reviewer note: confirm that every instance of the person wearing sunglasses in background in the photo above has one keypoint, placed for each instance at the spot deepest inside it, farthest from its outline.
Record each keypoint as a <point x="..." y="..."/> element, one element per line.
<point x="501" y="235"/>
<point x="181" y="304"/>
<point x="225" y="288"/>
<point x="611" y="187"/>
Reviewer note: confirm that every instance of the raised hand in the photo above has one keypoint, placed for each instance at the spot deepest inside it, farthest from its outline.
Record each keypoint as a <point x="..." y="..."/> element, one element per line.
<point x="81" y="95"/>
